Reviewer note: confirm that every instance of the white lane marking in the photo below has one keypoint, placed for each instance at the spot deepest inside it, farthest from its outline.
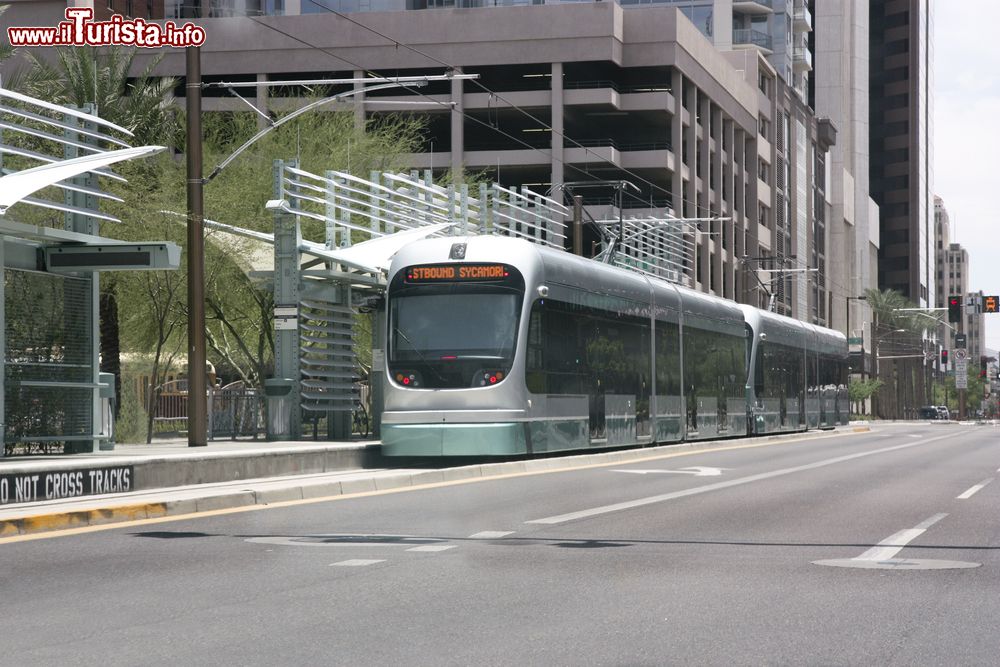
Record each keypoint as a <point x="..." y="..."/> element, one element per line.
<point x="697" y="471"/>
<point x="490" y="535"/>
<point x="914" y="435"/>
<point x="604" y="509"/>
<point x="893" y="544"/>
<point x="433" y="547"/>
<point x="356" y="562"/>
<point x="969" y="493"/>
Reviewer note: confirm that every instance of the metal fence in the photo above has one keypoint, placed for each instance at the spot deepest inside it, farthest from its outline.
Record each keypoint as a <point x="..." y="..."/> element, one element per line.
<point x="234" y="411"/>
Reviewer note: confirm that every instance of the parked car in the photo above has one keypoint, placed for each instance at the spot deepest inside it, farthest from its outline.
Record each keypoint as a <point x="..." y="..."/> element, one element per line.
<point x="929" y="412"/>
<point x="943" y="412"/>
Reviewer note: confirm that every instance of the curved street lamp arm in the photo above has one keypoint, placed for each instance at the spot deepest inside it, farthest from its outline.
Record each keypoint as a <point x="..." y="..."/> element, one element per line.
<point x="298" y="112"/>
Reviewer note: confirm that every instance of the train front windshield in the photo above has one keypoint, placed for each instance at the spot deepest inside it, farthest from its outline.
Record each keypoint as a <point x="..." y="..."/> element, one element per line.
<point x="453" y="326"/>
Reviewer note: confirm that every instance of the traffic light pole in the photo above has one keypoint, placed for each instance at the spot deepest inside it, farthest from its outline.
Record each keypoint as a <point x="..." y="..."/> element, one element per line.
<point x="956" y="315"/>
<point x="962" y="391"/>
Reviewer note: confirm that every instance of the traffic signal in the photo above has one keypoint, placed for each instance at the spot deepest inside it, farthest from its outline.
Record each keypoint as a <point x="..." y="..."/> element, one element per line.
<point x="944" y="357"/>
<point x="954" y="308"/>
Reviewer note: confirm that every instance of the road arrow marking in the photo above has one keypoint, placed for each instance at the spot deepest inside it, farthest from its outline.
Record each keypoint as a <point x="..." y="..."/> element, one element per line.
<point x="697" y="471"/>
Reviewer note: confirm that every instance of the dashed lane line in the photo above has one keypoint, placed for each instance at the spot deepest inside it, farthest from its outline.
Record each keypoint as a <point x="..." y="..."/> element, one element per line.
<point x="892" y="545"/>
<point x="490" y="535"/>
<point x="882" y="555"/>
<point x="356" y="562"/>
<point x="971" y="491"/>
<point x="433" y="547"/>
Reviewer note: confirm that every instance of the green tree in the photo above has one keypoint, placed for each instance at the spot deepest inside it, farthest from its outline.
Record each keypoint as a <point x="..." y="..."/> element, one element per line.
<point x="238" y="294"/>
<point x="859" y="391"/>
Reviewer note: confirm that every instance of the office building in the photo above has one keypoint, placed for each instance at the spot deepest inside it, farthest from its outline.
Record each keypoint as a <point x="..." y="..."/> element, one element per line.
<point x="901" y="144"/>
<point x="841" y="94"/>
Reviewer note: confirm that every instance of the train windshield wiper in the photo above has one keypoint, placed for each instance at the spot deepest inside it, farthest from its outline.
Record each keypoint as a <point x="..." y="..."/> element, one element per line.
<point x="420" y="355"/>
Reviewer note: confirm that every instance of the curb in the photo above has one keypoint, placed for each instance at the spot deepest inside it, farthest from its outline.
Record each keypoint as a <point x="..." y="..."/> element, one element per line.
<point x="214" y="500"/>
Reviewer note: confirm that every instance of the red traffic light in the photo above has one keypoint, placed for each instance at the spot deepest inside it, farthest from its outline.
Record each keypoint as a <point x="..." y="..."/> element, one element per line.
<point x="954" y="308"/>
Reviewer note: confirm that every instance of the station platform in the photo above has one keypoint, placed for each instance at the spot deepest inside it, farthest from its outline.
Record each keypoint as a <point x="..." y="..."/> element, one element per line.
<point x="167" y="463"/>
<point x="165" y="480"/>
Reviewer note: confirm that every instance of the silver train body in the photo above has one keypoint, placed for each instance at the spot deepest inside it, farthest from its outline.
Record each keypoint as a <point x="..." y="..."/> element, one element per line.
<point x="497" y="346"/>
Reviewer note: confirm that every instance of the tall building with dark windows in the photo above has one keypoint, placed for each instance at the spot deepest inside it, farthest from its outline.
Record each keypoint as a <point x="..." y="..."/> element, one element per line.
<point x="901" y="136"/>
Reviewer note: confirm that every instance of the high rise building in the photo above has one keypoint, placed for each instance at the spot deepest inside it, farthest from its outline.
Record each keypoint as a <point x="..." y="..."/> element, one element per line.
<point x="942" y="246"/>
<point x="841" y="94"/>
<point x="901" y="144"/>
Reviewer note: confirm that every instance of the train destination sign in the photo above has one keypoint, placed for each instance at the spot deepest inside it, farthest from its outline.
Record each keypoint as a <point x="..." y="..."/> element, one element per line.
<point x="55" y="484"/>
<point x="442" y="273"/>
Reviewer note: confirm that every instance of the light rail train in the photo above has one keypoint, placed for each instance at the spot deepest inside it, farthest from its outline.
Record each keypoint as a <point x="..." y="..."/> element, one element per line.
<point x="497" y="346"/>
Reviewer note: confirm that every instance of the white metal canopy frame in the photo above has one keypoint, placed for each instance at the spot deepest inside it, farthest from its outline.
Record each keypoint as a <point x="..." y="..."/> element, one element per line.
<point x="52" y="161"/>
<point x="16" y="186"/>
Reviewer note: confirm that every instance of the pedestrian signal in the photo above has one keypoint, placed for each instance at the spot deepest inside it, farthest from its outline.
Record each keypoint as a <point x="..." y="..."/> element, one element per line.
<point x="991" y="304"/>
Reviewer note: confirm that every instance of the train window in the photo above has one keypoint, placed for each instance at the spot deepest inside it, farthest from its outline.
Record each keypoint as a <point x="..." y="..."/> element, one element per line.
<point x="584" y="350"/>
<point x="668" y="359"/>
<point x="714" y="368"/>
<point x="453" y="338"/>
<point x="454" y="324"/>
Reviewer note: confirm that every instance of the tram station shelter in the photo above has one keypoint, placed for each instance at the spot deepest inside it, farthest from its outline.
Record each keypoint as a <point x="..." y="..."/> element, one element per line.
<point x="53" y="164"/>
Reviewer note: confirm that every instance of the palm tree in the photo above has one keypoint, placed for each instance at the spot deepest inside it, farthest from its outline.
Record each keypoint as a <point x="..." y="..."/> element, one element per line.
<point x="83" y="76"/>
<point x="899" y="322"/>
<point x="100" y="77"/>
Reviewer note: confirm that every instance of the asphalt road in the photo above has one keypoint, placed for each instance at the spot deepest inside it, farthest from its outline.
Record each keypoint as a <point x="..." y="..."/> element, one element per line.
<point x="877" y="548"/>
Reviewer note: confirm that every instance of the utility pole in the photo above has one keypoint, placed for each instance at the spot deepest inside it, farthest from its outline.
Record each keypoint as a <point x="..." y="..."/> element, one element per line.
<point x="197" y="408"/>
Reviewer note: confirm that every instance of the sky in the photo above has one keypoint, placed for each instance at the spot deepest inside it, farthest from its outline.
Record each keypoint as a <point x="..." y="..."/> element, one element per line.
<point x="967" y="136"/>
